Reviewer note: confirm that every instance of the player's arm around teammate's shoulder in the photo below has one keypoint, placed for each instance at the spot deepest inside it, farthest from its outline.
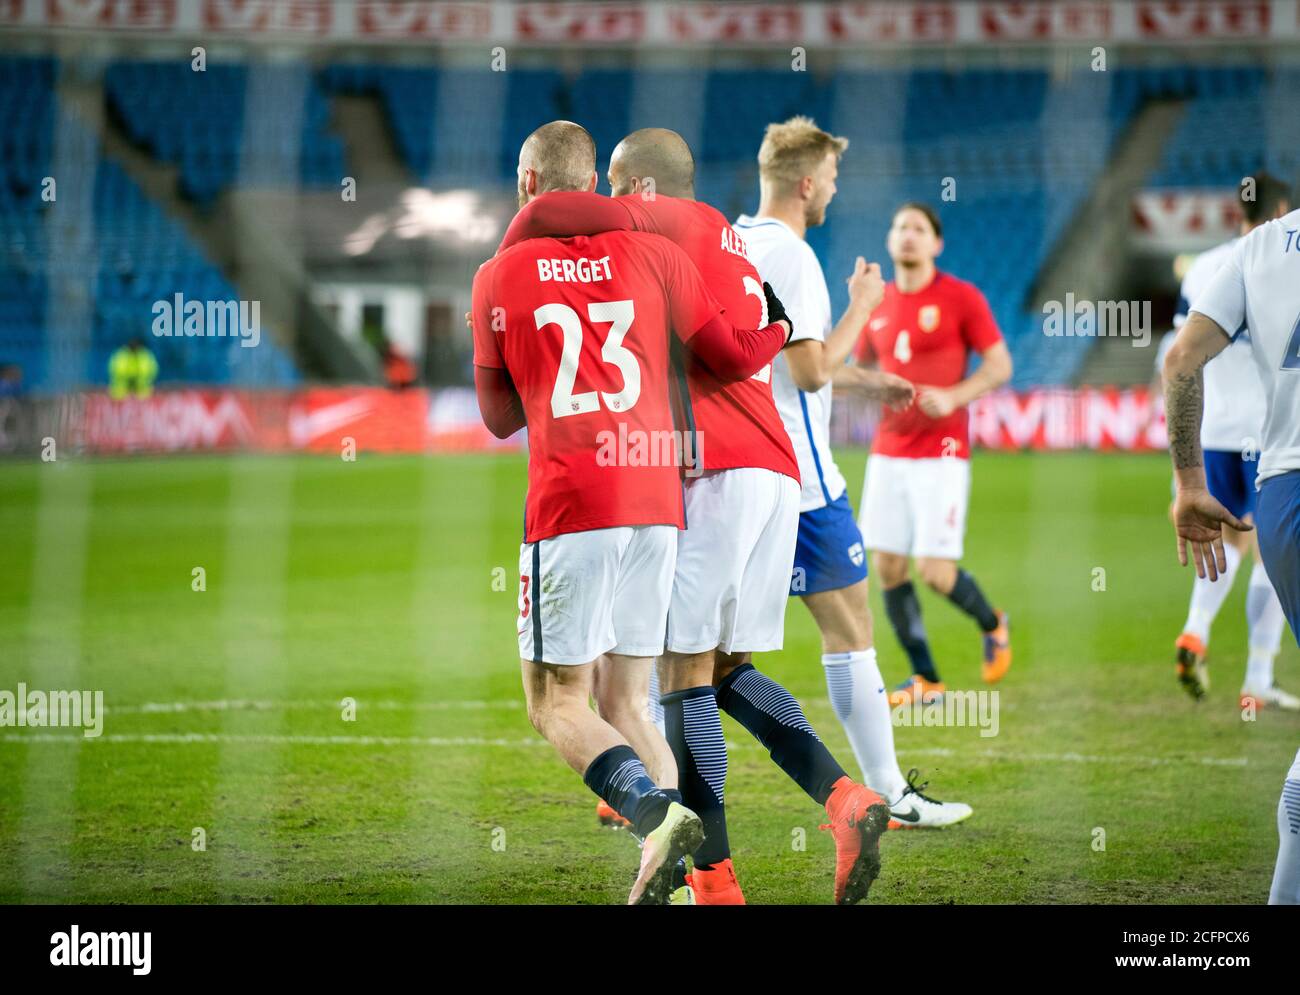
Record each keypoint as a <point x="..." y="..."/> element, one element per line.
<point x="702" y="325"/>
<point x="813" y="362"/>
<point x="565" y="213"/>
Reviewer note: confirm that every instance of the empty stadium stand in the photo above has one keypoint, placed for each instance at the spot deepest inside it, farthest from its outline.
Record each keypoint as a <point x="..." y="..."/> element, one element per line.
<point x="1020" y="150"/>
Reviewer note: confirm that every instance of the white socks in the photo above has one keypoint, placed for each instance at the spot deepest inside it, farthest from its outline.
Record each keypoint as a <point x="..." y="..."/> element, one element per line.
<point x="1208" y="597"/>
<point x="1286" y="876"/>
<point x="1266" y="620"/>
<point x="861" y="704"/>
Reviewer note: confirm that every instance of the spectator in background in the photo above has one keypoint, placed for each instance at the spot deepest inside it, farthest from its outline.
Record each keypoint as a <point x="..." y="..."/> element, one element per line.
<point x="399" y="372"/>
<point x="11" y="379"/>
<point x="132" y="370"/>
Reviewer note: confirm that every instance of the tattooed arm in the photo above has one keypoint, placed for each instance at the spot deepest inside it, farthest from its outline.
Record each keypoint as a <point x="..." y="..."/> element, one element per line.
<point x="1198" y="517"/>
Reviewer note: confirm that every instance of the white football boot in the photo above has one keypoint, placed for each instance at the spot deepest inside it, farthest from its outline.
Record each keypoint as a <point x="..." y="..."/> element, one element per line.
<point x="913" y="810"/>
<point x="1273" y="697"/>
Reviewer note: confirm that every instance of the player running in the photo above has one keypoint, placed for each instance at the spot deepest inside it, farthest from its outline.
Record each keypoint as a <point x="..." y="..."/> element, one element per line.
<point x="571" y="337"/>
<point x="918" y="476"/>
<point x="798" y="164"/>
<point x="1257" y="287"/>
<point x="1230" y="438"/>
<point x="736" y="555"/>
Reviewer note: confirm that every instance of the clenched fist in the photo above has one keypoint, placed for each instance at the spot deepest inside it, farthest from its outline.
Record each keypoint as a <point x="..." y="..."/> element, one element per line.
<point x="866" y="285"/>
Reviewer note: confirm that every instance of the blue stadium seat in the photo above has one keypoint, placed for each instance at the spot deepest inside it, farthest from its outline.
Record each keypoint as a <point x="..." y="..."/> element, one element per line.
<point x="129" y="257"/>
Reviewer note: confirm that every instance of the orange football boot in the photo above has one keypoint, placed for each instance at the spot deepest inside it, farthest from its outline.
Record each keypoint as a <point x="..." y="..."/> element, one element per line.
<point x="997" y="651"/>
<point x="1193" y="673"/>
<point x="858" y="820"/>
<point x="717" y="885"/>
<point x="608" y="817"/>
<point x="918" y="687"/>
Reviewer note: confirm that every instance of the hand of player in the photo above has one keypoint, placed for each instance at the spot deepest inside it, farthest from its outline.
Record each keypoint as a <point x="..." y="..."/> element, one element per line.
<point x="776" y="311"/>
<point x="894" y="391"/>
<point x="937" y="402"/>
<point x="469" y="321"/>
<point x="1199" y="520"/>
<point x="866" y="285"/>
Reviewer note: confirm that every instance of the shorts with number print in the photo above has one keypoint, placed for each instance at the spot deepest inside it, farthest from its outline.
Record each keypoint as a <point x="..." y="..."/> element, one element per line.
<point x="915" y="507"/>
<point x="582" y="594"/>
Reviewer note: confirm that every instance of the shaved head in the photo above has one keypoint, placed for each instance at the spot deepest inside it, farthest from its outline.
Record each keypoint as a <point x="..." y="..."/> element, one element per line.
<point x="557" y="156"/>
<point x="653" y="154"/>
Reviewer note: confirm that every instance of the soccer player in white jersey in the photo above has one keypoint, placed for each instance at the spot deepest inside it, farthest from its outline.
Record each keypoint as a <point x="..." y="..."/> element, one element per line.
<point x="1258" y="287"/>
<point x="1230" y="439"/>
<point x="798" y="164"/>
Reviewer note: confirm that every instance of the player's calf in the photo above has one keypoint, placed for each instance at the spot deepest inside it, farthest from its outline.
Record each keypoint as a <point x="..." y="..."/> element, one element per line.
<point x="903" y="609"/>
<point x="775" y="719"/>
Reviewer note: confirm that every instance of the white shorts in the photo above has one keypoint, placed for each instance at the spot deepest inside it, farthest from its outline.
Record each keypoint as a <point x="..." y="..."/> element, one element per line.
<point x="600" y="591"/>
<point x="734" y="562"/>
<point x="915" y="507"/>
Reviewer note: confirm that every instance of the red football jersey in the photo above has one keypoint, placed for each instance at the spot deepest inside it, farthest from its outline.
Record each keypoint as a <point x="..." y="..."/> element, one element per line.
<point x="583" y="326"/>
<point x="737" y="423"/>
<point x="927" y="337"/>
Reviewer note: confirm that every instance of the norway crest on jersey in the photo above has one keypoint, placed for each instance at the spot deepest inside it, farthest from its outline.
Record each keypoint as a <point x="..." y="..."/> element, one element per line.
<point x="928" y="317"/>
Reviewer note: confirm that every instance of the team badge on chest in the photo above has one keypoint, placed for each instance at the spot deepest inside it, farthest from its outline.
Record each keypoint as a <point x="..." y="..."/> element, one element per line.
<point x="928" y="317"/>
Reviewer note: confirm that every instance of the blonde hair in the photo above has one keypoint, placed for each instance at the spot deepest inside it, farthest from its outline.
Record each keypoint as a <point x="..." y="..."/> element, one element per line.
<point x="792" y="149"/>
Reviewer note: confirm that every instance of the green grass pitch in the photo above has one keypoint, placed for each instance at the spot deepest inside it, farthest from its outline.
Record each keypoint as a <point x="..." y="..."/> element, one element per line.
<point x="392" y="581"/>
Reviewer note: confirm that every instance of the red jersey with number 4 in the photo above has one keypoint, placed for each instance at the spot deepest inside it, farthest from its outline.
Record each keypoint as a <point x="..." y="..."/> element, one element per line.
<point x="583" y="326"/>
<point x="737" y="423"/>
<point x="927" y="337"/>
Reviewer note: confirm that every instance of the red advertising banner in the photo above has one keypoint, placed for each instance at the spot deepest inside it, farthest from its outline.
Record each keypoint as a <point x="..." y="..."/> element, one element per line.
<point x="374" y="419"/>
<point x="368" y="418"/>
<point x="870" y="23"/>
<point x="175" y="421"/>
<point x="1047" y="418"/>
<point x="315" y="419"/>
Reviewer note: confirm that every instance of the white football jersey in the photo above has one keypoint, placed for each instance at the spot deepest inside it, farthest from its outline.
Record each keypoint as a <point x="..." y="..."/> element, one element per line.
<point x="1259" y="286"/>
<point x="789" y="264"/>
<point x="1234" y="398"/>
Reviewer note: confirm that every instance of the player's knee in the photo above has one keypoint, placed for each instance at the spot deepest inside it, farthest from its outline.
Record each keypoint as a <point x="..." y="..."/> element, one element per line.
<point x="621" y="708"/>
<point x="890" y="568"/>
<point x="843" y="617"/>
<point x="541" y="710"/>
<point x="680" y="672"/>
<point x="938" y="575"/>
<point x="725" y="663"/>
<point x="537" y="715"/>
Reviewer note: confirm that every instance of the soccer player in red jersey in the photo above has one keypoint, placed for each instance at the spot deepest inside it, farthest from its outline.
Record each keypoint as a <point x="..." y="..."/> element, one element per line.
<point x="571" y="337"/>
<point x="735" y="558"/>
<point x="918" y="475"/>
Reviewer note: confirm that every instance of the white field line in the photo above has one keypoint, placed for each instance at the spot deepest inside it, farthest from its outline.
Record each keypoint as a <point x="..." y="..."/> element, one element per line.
<point x="177" y="739"/>
<point x="333" y="705"/>
<point x="256" y="739"/>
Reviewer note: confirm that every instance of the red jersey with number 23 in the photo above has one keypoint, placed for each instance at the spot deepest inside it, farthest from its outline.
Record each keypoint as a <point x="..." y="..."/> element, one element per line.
<point x="737" y="422"/>
<point x="927" y="337"/>
<point x="583" y="326"/>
